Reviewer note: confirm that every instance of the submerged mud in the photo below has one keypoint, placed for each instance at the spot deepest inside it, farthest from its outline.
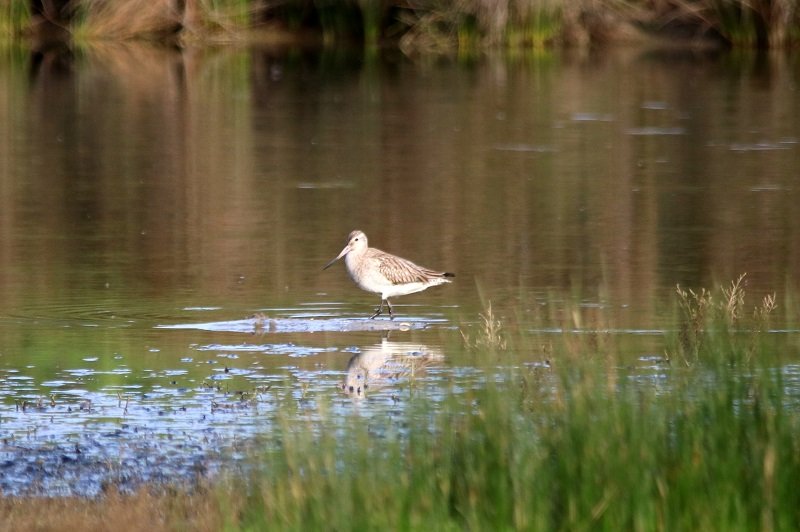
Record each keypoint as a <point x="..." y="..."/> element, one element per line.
<point x="102" y="439"/>
<point x="115" y="422"/>
<point x="91" y="467"/>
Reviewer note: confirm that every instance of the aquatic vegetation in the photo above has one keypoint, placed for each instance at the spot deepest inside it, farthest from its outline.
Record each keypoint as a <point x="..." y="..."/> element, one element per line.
<point x="582" y="442"/>
<point x="573" y="447"/>
<point x="762" y="313"/>
<point x="706" y="316"/>
<point x="489" y="336"/>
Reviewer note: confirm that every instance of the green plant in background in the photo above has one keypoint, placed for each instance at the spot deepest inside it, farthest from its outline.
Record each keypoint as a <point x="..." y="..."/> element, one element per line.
<point x="14" y="18"/>
<point x="372" y="16"/>
<point x="431" y="26"/>
<point x="468" y="25"/>
<point x="737" y="22"/>
<point x="741" y="23"/>
<point x="535" y="25"/>
<point x="756" y="24"/>
<point x="351" y="21"/>
<point x="229" y="15"/>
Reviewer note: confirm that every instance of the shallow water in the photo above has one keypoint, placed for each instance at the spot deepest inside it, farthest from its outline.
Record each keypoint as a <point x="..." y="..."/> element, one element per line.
<point x="152" y="202"/>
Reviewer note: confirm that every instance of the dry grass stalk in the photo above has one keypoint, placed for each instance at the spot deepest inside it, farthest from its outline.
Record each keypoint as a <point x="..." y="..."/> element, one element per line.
<point x="761" y="314"/>
<point x="490" y="336"/>
<point x="695" y="307"/>
<point x="701" y="311"/>
<point x="733" y="300"/>
<point x="127" y="19"/>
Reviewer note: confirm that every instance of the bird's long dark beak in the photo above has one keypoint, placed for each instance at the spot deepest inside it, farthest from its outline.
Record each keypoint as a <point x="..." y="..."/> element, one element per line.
<point x="339" y="256"/>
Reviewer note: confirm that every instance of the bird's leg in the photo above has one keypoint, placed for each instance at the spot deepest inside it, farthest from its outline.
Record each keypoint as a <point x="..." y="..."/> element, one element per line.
<point x="380" y="309"/>
<point x="391" y="316"/>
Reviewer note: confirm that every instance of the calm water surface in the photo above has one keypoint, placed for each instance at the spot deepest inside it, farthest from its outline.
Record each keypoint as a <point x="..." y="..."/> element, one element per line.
<point x="152" y="202"/>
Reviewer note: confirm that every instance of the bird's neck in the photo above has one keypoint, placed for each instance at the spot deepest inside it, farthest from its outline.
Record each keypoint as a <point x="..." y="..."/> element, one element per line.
<point x="354" y="257"/>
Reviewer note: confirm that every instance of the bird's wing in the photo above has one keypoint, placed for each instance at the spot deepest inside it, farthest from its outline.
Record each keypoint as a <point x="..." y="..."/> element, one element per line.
<point x="400" y="271"/>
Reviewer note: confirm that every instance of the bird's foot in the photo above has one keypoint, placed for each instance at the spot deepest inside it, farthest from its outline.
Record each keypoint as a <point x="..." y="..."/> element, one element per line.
<point x="380" y="309"/>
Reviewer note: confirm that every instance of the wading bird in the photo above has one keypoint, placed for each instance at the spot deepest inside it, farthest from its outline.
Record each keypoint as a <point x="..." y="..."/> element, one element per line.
<point x="382" y="273"/>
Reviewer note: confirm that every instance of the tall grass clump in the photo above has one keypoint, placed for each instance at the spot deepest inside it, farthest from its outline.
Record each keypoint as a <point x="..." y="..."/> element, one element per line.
<point x="718" y="321"/>
<point x="535" y="25"/>
<point x="120" y="20"/>
<point x="440" y="26"/>
<point x="489" y="335"/>
<point x="585" y="444"/>
<point x="712" y="454"/>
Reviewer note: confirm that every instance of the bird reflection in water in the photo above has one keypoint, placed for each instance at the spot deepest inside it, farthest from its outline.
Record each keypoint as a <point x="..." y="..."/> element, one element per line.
<point x="386" y="363"/>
